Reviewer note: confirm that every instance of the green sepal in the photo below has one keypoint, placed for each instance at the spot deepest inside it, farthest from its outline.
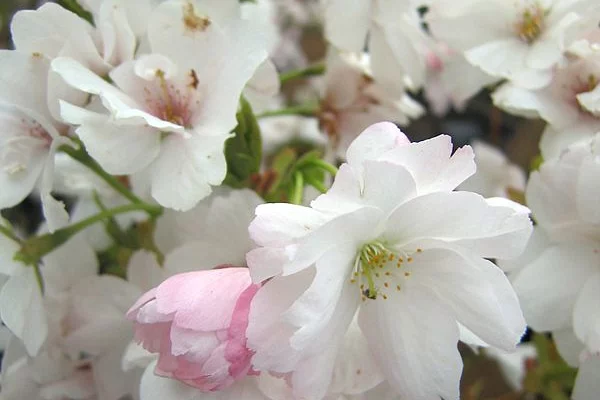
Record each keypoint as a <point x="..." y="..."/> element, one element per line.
<point x="243" y="151"/>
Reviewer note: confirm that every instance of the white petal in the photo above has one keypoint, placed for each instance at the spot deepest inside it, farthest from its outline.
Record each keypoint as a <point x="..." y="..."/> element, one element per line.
<point x="350" y="31"/>
<point x="186" y="169"/>
<point x="477" y="291"/>
<point x="548" y="303"/>
<point x="355" y="369"/>
<point x="323" y="312"/>
<point x="343" y="195"/>
<point x="501" y="58"/>
<point x="17" y="186"/>
<point x="278" y="224"/>
<point x="312" y="376"/>
<point x="110" y="381"/>
<point x="568" y="345"/>
<point x="586" y="314"/>
<point x="587" y="384"/>
<point x="386" y="185"/>
<point x="353" y="229"/>
<point x="267" y="334"/>
<point x="136" y="356"/>
<point x="22" y="310"/>
<point x="235" y="50"/>
<point x="68" y="264"/>
<point x="373" y="142"/>
<point x="119" y="149"/>
<point x="432" y="165"/>
<point x="588" y="191"/>
<point x="143" y="270"/>
<point x="197" y="256"/>
<point x="23" y="82"/>
<point x="463" y="218"/>
<point x="46" y="30"/>
<point x="413" y="338"/>
<point x="265" y="80"/>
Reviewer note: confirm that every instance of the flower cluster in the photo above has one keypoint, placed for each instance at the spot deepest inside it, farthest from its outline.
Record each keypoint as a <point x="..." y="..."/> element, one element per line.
<point x="224" y="220"/>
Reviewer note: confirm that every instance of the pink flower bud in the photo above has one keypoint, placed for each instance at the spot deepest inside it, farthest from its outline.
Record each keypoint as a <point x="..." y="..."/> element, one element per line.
<point x="197" y="323"/>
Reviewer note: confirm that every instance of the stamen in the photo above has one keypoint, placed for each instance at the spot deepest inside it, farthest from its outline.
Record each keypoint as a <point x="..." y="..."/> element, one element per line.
<point x="532" y="23"/>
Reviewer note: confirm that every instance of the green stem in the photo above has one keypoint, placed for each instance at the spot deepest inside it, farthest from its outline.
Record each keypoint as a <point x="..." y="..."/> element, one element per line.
<point x="298" y="189"/>
<point x="313" y="70"/>
<point x="324" y="165"/>
<point x="305" y="110"/>
<point x="37" y="247"/>
<point x="38" y="277"/>
<point x="83" y="157"/>
<point x="81" y="225"/>
<point x="316" y="184"/>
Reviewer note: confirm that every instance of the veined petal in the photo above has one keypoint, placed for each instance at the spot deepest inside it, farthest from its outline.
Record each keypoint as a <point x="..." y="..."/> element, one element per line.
<point x="374" y="142"/>
<point x="324" y="311"/>
<point x="462" y="218"/>
<point x="267" y="334"/>
<point x="355" y="228"/>
<point x="413" y="338"/>
<point x="433" y="165"/>
<point x="119" y="149"/>
<point x="279" y="224"/>
<point x="186" y="169"/>
<point x="355" y="369"/>
<point x="477" y="291"/>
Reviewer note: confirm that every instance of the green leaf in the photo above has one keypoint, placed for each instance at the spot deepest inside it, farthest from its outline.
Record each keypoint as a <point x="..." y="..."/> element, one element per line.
<point x="243" y="151"/>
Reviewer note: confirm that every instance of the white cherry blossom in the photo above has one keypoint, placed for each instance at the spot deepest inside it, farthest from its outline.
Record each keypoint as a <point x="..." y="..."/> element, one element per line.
<point x="392" y="240"/>
<point x="517" y="40"/>
<point x="569" y="103"/>
<point x="390" y="29"/>
<point x="558" y="284"/>
<point x="352" y="100"/>
<point x="170" y="111"/>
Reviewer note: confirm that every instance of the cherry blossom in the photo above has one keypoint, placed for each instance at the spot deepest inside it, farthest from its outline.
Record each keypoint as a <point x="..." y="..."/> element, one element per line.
<point x="352" y="100"/>
<point x="381" y="241"/>
<point x="174" y="106"/>
<point x="568" y="103"/>
<point x="196" y="322"/>
<point x="517" y="40"/>
<point x="563" y="198"/>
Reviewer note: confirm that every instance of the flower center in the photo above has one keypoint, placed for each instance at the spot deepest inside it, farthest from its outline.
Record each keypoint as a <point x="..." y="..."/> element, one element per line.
<point x="171" y="103"/>
<point x="532" y="23"/>
<point x="378" y="270"/>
